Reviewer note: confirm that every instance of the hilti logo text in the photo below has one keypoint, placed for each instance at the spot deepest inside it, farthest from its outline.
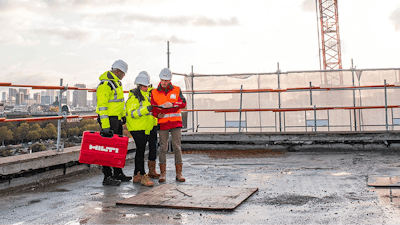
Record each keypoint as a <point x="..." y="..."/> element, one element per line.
<point x="102" y="148"/>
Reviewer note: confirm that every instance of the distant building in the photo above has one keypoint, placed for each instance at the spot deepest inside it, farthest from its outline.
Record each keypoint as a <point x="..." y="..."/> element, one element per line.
<point x="19" y="98"/>
<point x="45" y="100"/>
<point x="37" y="97"/>
<point x="79" y="96"/>
<point x="64" y="100"/>
<point x="11" y="100"/>
<point x="12" y="92"/>
<point x="68" y="95"/>
<point x="94" y="99"/>
<point x="26" y="93"/>
<point x="5" y="96"/>
<point x="51" y="93"/>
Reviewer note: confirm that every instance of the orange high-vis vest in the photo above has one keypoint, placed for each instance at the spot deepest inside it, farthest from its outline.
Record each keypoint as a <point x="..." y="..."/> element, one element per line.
<point x="173" y="96"/>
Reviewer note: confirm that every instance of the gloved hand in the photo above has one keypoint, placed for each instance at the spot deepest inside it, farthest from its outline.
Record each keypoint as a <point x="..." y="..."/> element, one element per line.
<point x="150" y="107"/>
<point x="106" y="132"/>
<point x="123" y="120"/>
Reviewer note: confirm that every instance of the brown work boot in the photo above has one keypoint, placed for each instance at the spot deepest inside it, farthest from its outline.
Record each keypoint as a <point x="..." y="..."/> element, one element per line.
<point x="178" y="169"/>
<point x="163" y="169"/>
<point x="152" y="169"/>
<point x="146" y="181"/>
<point x="137" y="178"/>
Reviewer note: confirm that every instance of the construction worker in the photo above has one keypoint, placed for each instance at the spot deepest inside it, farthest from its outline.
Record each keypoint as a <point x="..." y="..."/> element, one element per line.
<point x="167" y="96"/>
<point x="152" y="140"/>
<point x="139" y="123"/>
<point x="111" y="114"/>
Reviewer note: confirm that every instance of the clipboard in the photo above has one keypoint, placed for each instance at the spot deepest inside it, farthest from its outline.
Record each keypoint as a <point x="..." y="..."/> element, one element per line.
<point x="161" y="109"/>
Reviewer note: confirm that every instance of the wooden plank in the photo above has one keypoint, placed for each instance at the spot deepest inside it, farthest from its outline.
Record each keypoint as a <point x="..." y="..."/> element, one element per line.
<point x="384" y="177"/>
<point x="191" y="197"/>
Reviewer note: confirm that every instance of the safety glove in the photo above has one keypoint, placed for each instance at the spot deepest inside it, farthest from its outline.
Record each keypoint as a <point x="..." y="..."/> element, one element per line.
<point x="106" y="132"/>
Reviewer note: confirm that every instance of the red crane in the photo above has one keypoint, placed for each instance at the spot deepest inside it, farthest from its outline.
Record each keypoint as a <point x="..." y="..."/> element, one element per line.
<point x="328" y="16"/>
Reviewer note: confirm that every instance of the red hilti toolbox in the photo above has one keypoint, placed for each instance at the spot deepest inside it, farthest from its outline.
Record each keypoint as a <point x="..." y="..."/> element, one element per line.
<point x="96" y="149"/>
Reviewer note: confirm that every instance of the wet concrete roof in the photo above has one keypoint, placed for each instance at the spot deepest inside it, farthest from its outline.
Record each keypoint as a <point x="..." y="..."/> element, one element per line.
<point x="294" y="188"/>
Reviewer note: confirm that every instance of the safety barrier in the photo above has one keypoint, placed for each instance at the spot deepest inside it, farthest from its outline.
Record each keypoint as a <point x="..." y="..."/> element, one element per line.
<point x="282" y="115"/>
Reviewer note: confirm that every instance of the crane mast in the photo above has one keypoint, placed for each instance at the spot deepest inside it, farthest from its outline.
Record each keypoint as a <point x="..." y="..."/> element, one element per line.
<point x="330" y="41"/>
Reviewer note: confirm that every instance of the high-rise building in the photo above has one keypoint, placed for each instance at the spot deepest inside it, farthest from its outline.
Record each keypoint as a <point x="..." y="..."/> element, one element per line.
<point x="19" y="98"/>
<point x="5" y="96"/>
<point x="68" y="95"/>
<point x="12" y="92"/>
<point x="80" y="96"/>
<point x="51" y="93"/>
<point x="26" y="93"/>
<point x="94" y="99"/>
<point x="37" y="97"/>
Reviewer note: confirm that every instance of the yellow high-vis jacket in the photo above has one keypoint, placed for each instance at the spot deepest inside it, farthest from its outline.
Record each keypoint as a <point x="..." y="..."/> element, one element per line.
<point x="138" y="116"/>
<point x="149" y="94"/>
<point x="110" y="98"/>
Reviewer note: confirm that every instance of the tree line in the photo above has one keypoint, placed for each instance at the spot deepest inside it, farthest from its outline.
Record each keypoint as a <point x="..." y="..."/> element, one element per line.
<point x="20" y="132"/>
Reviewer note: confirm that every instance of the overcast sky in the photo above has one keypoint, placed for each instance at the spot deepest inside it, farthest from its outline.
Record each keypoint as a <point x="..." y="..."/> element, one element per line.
<point x="42" y="41"/>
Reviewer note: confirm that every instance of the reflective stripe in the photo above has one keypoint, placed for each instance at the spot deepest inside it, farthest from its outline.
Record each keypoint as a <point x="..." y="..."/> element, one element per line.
<point x="116" y="100"/>
<point x="172" y="115"/>
<point x="104" y="117"/>
<point x="103" y="108"/>
<point x="132" y="113"/>
<point x="139" y="113"/>
<point x="114" y="89"/>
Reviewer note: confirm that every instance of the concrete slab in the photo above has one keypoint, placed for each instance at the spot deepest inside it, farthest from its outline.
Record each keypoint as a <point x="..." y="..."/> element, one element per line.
<point x="298" y="188"/>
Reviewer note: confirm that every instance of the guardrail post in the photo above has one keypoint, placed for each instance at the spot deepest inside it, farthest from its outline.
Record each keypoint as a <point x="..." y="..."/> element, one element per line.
<point x="240" y="109"/>
<point x="192" y="75"/>
<point x="354" y="98"/>
<point x="59" y="120"/>
<point x="278" y="72"/>
<point x="386" y="107"/>
<point x="310" y="93"/>
<point x="315" y="119"/>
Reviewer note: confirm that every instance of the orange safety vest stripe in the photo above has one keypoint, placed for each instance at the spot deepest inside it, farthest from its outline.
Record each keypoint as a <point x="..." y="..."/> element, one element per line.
<point x="172" y="96"/>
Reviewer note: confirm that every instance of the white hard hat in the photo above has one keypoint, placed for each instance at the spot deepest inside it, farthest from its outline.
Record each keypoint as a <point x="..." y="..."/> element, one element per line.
<point x="165" y="74"/>
<point x="144" y="73"/>
<point x="143" y="79"/>
<point x="121" y="65"/>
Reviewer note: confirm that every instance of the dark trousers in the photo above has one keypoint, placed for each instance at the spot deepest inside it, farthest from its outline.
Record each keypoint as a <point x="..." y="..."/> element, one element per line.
<point x="152" y="139"/>
<point x="116" y="126"/>
<point x="140" y="141"/>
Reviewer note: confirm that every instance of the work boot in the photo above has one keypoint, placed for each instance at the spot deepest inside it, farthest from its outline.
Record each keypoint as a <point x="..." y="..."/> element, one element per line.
<point x="137" y="178"/>
<point x="152" y="169"/>
<point x="122" y="177"/>
<point x="111" y="181"/>
<point x="178" y="169"/>
<point x="163" y="169"/>
<point x="146" y="181"/>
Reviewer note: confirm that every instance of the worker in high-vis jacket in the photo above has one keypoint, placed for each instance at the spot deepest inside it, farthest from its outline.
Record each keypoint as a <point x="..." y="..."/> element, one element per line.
<point x="111" y="113"/>
<point x="140" y="122"/>
<point x="152" y="140"/>
<point x="167" y="96"/>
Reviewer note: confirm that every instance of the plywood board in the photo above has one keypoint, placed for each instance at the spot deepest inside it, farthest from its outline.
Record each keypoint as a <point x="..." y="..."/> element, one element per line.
<point x="391" y="196"/>
<point x="191" y="197"/>
<point x="384" y="177"/>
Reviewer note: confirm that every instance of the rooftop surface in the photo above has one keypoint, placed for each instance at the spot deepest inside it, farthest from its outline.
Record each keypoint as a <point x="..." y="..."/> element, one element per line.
<point x="293" y="188"/>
